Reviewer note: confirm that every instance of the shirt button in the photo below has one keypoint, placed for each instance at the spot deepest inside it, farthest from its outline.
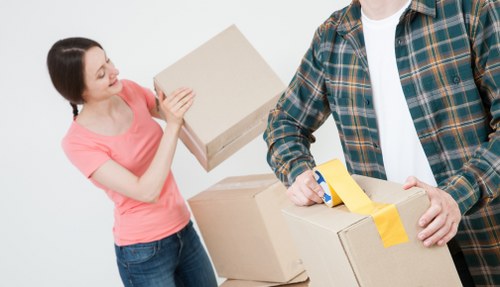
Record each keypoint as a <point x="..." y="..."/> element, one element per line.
<point x="375" y="145"/>
<point x="400" y="42"/>
<point x="456" y="79"/>
<point x="367" y="102"/>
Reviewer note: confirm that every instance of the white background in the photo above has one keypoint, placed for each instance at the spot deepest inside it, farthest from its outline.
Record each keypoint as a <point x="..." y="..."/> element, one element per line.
<point x="55" y="225"/>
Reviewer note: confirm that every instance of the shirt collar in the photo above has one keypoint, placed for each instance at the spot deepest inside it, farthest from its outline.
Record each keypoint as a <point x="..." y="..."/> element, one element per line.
<point x="351" y="19"/>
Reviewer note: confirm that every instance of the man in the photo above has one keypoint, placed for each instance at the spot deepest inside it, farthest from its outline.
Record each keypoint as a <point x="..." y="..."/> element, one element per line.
<point x="413" y="87"/>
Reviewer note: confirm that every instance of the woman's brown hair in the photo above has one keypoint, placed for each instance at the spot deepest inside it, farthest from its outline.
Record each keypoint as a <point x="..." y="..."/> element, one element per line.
<point x="66" y="68"/>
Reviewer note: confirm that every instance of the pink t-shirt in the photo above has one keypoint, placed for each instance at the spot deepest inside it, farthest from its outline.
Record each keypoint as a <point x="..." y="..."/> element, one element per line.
<point x="135" y="221"/>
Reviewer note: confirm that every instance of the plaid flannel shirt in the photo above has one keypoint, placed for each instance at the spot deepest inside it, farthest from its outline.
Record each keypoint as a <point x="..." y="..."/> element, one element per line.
<point x="448" y="60"/>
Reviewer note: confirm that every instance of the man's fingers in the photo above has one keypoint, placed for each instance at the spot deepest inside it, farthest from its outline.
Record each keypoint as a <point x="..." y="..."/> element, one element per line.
<point x="430" y="214"/>
<point x="305" y="194"/>
<point x="440" y="221"/>
<point x="423" y="185"/>
<point x="411" y="181"/>
<point x="311" y="194"/>
<point x="452" y="232"/>
<point x="303" y="200"/>
<point x="305" y="190"/>
<point x="441" y="236"/>
<point x="298" y="198"/>
<point x="313" y="190"/>
<point x="436" y="230"/>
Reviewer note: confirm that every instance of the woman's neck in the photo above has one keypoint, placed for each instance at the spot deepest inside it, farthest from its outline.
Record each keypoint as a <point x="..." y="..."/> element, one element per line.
<point x="100" y="108"/>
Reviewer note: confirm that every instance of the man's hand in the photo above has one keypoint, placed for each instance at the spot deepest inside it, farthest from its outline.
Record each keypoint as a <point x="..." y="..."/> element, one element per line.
<point x="440" y="221"/>
<point x="305" y="190"/>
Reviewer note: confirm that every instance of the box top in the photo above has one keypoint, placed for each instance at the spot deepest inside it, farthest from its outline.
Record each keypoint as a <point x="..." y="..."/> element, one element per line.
<point x="321" y="214"/>
<point x="237" y="187"/>
<point x="231" y="81"/>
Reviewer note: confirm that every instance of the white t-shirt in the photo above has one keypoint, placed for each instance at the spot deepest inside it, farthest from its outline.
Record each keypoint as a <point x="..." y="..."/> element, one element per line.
<point x="401" y="149"/>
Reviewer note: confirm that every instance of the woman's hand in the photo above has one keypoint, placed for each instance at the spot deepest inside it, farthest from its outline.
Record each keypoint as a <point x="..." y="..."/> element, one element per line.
<point x="175" y="106"/>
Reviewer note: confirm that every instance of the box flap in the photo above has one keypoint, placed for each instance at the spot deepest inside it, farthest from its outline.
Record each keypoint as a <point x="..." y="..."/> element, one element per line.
<point x="236" y="187"/>
<point x="320" y="214"/>
<point x="392" y="192"/>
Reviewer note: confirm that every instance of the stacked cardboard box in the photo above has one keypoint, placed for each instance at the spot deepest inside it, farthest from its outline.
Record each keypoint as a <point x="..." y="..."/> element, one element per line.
<point x="239" y="218"/>
<point x="246" y="236"/>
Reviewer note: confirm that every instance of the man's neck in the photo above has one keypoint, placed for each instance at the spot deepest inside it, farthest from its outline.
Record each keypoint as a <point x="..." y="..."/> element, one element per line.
<point x="381" y="9"/>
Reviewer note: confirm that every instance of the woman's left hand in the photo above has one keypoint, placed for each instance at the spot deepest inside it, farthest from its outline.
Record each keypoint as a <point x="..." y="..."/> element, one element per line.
<point x="175" y="106"/>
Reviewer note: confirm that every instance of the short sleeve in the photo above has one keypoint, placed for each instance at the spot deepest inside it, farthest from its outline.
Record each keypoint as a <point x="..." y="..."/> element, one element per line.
<point x="150" y="98"/>
<point x="87" y="157"/>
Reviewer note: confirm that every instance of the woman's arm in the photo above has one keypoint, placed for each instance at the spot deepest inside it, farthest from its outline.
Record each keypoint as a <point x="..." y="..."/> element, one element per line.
<point x="147" y="187"/>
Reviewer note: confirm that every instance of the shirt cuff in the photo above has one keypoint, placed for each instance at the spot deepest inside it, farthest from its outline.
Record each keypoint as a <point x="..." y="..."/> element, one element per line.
<point x="298" y="169"/>
<point x="464" y="193"/>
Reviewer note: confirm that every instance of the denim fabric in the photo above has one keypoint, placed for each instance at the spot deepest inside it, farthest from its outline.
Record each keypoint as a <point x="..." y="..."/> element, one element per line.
<point x="178" y="260"/>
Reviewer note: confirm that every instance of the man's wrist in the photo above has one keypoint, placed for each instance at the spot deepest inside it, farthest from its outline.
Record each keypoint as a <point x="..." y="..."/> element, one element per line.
<point x="462" y="192"/>
<point x="297" y="169"/>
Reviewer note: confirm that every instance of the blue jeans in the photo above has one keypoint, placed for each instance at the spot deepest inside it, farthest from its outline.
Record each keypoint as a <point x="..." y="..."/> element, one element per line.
<point x="178" y="260"/>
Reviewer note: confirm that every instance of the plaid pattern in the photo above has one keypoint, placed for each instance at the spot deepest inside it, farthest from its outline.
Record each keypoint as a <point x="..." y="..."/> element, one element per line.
<point x="448" y="58"/>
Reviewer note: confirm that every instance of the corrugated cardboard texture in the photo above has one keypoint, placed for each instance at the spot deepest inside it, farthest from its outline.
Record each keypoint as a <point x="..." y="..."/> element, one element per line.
<point x="344" y="249"/>
<point x="299" y="281"/>
<point x="242" y="226"/>
<point x="235" y="90"/>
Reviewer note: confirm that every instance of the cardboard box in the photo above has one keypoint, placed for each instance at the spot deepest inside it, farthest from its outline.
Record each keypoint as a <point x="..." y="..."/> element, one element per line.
<point x="235" y="89"/>
<point x="299" y="281"/>
<point x="245" y="233"/>
<point x="340" y="248"/>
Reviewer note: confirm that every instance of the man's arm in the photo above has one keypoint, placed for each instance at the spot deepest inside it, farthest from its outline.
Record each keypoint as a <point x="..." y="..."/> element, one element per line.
<point x="479" y="180"/>
<point x="301" y="110"/>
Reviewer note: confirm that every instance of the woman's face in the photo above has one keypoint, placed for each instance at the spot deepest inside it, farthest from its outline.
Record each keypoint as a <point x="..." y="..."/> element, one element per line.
<point x="101" y="76"/>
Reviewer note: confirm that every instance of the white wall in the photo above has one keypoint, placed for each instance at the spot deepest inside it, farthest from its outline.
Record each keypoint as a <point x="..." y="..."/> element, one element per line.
<point x="55" y="225"/>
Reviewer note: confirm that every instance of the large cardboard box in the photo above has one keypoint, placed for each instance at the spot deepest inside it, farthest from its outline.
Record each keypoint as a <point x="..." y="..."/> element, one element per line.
<point x="245" y="233"/>
<point x="235" y="89"/>
<point x="340" y="248"/>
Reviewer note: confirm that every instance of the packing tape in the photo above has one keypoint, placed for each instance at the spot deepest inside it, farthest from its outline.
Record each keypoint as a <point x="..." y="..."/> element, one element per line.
<point x="340" y="187"/>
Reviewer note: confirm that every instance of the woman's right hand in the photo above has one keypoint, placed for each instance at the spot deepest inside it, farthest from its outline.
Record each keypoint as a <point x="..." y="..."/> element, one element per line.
<point x="176" y="105"/>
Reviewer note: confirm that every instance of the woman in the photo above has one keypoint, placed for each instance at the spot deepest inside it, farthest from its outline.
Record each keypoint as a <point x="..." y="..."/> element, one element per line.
<point x="115" y="142"/>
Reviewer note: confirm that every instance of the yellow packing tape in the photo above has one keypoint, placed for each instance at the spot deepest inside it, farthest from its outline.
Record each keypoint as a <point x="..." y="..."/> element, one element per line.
<point x="343" y="188"/>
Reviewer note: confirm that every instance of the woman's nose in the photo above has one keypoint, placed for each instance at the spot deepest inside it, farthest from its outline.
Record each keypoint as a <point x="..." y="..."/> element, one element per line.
<point x="114" y="71"/>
